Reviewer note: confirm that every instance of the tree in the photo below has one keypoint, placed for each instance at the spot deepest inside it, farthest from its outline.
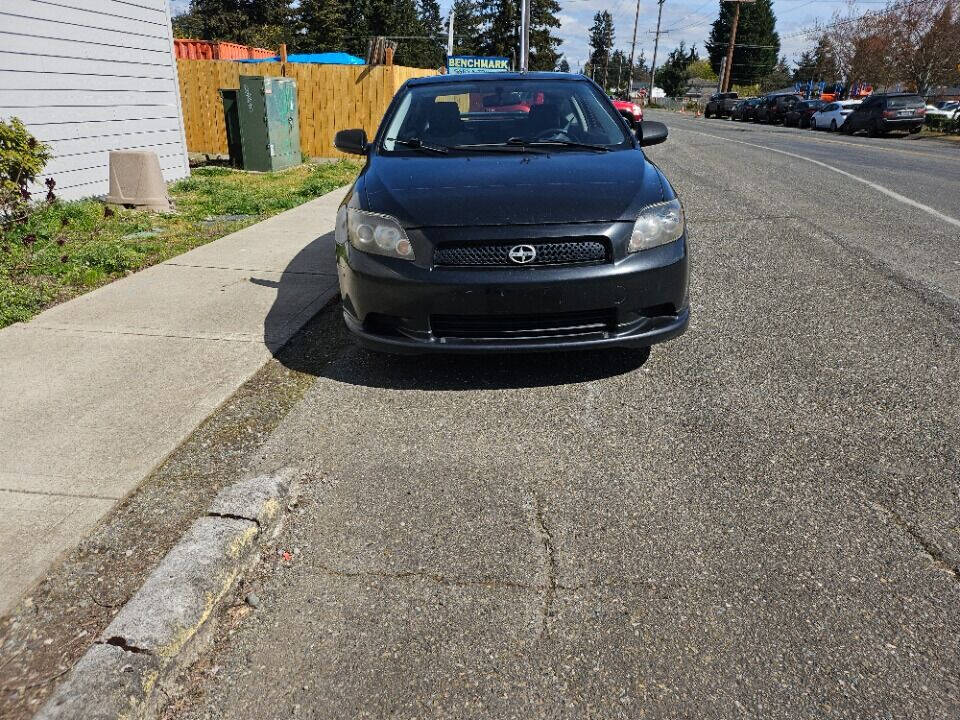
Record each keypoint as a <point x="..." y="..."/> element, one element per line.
<point x="468" y="27"/>
<point x="778" y="78"/>
<point x="430" y="52"/>
<point x="757" y="42"/>
<point x="601" y="43"/>
<point x="543" y="43"/>
<point x="563" y="66"/>
<point x="818" y="63"/>
<point x="911" y="43"/>
<point x="263" y="23"/>
<point x="416" y="25"/>
<point x="674" y="73"/>
<point x="641" y="71"/>
<point x="701" y="69"/>
<point x="322" y="25"/>
<point x="501" y="36"/>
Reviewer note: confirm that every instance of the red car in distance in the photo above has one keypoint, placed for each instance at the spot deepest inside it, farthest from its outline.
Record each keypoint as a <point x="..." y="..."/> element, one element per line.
<point x="630" y="110"/>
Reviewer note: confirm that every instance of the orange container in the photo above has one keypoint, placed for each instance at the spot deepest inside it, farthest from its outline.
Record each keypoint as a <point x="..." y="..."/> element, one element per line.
<point x="192" y="49"/>
<point x="206" y="50"/>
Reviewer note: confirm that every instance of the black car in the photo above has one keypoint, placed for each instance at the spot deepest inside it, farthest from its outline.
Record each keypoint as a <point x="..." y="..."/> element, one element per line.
<point x="881" y="113"/>
<point x="472" y="228"/>
<point x="773" y="108"/>
<point x="721" y="105"/>
<point x="745" y="109"/>
<point x="799" y="115"/>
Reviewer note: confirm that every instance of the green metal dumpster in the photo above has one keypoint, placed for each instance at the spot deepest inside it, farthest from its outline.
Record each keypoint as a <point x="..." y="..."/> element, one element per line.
<point x="231" y="119"/>
<point x="269" y="122"/>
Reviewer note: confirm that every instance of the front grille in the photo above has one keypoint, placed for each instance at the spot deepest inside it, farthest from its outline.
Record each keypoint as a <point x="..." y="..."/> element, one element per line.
<point x="552" y="252"/>
<point x="503" y="327"/>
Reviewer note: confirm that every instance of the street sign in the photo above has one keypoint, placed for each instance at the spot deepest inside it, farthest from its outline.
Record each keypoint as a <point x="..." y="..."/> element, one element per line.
<point x="468" y="64"/>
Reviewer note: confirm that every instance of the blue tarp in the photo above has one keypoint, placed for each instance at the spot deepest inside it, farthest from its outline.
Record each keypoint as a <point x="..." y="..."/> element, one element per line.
<point x="332" y="58"/>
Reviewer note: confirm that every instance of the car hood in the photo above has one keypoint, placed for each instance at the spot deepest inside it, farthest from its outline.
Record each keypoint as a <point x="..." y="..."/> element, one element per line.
<point x="511" y="188"/>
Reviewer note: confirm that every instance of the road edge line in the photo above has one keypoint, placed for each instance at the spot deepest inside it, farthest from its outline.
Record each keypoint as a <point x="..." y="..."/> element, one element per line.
<point x="880" y="188"/>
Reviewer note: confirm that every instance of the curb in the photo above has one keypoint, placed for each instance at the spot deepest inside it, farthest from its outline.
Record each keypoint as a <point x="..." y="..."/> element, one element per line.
<point x="164" y="625"/>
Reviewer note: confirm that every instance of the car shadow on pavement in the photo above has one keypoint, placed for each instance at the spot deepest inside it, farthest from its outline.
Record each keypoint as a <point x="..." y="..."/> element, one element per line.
<point x="324" y="347"/>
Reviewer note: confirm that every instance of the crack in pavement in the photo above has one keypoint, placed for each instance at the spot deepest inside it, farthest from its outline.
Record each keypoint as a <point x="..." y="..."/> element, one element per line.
<point x="550" y="591"/>
<point x="937" y="556"/>
<point x="122" y="643"/>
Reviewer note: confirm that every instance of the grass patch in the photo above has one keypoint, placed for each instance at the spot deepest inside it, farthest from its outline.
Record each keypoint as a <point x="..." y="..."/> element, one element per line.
<point x="68" y="248"/>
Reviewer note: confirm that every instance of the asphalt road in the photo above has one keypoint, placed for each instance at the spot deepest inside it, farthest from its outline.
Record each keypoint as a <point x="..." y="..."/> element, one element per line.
<point x="761" y="521"/>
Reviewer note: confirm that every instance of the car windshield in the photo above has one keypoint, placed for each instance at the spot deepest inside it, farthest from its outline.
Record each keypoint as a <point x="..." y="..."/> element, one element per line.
<point x="905" y="101"/>
<point x="513" y="112"/>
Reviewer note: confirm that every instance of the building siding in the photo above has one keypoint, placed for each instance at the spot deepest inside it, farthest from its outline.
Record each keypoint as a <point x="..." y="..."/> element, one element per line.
<point x="91" y="76"/>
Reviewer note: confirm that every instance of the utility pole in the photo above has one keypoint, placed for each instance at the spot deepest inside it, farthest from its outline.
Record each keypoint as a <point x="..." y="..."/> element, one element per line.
<point x="656" y="42"/>
<point x="733" y="40"/>
<point x="633" y="47"/>
<point x="525" y="36"/>
<point x="450" y="34"/>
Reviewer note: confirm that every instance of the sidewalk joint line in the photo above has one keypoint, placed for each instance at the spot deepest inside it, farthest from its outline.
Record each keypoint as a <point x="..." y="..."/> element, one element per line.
<point x="54" y="493"/>
<point x="141" y="333"/>
<point x="249" y="269"/>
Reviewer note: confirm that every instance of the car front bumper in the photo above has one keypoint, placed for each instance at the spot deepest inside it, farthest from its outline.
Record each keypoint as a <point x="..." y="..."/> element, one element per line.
<point x="397" y="306"/>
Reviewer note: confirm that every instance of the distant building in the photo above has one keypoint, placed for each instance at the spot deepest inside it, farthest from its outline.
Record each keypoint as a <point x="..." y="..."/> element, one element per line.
<point x="943" y="92"/>
<point x="699" y="87"/>
<point x="88" y="81"/>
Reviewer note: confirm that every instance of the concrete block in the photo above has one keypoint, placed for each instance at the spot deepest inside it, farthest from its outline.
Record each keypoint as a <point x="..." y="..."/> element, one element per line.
<point x="259" y="499"/>
<point x="179" y="596"/>
<point x="108" y="683"/>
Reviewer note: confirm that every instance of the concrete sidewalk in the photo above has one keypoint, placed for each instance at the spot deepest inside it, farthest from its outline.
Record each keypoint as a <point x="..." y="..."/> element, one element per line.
<point x="96" y="392"/>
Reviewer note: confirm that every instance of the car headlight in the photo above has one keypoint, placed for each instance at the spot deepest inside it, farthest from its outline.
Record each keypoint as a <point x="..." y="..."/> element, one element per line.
<point x="377" y="234"/>
<point x="657" y="225"/>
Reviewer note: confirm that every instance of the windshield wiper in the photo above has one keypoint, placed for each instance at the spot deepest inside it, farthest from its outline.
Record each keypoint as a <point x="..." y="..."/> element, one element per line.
<point x="556" y="143"/>
<point x="495" y="147"/>
<point x="418" y="144"/>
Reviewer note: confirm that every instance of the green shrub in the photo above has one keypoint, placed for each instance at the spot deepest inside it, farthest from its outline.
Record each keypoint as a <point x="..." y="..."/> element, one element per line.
<point x="22" y="158"/>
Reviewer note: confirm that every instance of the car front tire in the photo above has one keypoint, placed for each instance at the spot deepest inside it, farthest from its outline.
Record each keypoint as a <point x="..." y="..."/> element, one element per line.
<point x="833" y="126"/>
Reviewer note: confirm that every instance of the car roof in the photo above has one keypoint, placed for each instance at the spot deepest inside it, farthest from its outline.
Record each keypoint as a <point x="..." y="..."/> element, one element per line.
<point x="495" y="76"/>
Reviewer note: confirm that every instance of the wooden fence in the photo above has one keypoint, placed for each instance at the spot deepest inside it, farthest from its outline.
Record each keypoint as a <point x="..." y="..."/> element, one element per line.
<point x="331" y="97"/>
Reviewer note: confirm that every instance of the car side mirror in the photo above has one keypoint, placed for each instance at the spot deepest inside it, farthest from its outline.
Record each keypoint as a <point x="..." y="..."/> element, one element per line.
<point x="351" y="141"/>
<point x="650" y="132"/>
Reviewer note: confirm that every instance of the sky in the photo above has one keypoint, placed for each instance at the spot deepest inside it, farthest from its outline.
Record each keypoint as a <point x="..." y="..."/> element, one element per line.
<point x="687" y="20"/>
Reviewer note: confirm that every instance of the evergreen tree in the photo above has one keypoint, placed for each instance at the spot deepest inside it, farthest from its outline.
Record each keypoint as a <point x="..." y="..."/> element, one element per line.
<point x="757" y="43"/>
<point x="265" y="23"/>
<point x="563" y="66"/>
<point x="674" y="73"/>
<point x="323" y="26"/>
<point x="211" y="20"/>
<point x="357" y="27"/>
<point x="430" y="52"/>
<point x="543" y="43"/>
<point x="601" y="43"/>
<point x="818" y="63"/>
<point x="641" y="71"/>
<point x="618" y="69"/>
<point x="501" y="35"/>
<point x="778" y="78"/>
<point x="467" y="27"/>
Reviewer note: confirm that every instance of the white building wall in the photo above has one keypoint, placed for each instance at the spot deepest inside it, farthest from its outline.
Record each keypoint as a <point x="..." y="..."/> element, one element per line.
<point x="90" y="76"/>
